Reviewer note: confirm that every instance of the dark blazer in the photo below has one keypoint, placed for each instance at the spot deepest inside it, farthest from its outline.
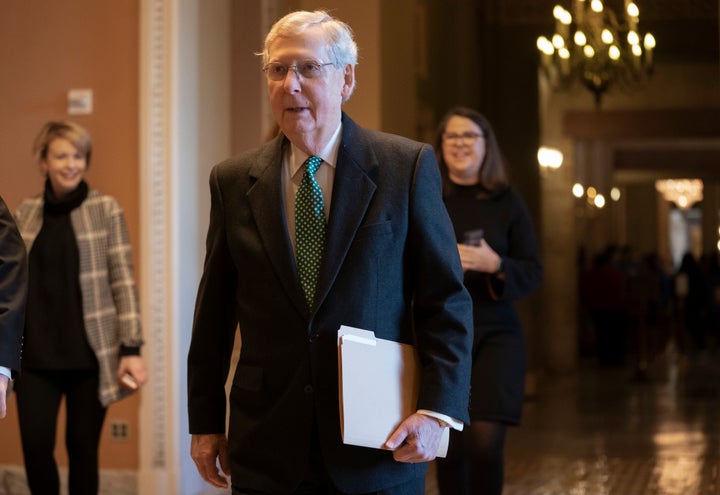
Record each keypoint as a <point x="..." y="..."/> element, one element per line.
<point x="390" y="265"/>
<point x="13" y="290"/>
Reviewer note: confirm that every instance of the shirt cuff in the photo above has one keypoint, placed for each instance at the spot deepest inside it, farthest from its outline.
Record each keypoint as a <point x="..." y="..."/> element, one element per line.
<point x="5" y="371"/>
<point x="452" y="422"/>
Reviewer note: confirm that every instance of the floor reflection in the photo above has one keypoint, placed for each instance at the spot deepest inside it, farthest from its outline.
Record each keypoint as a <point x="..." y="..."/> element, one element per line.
<point x="606" y="432"/>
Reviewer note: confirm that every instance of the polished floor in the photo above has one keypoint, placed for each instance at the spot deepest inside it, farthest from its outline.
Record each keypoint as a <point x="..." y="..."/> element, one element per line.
<point x="600" y="431"/>
<point x="612" y="432"/>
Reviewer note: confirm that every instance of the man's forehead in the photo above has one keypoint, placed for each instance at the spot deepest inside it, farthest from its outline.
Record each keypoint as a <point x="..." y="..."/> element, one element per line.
<point x="312" y="41"/>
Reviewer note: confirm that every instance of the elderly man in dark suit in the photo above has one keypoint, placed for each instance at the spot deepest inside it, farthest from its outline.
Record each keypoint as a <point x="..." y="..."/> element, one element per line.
<point x="13" y="291"/>
<point x="328" y="224"/>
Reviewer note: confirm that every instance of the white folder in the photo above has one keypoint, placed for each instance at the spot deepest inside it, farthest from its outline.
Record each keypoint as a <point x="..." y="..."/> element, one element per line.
<point x="378" y="383"/>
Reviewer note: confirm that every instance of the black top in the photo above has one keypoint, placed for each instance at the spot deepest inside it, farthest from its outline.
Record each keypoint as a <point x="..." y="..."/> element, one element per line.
<point x="508" y="229"/>
<point x="54" y="327"/>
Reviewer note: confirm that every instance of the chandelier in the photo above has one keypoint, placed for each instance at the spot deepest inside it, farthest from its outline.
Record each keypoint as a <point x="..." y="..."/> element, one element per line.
<point x="591" y="44"/>
<point x="683" y="192"/>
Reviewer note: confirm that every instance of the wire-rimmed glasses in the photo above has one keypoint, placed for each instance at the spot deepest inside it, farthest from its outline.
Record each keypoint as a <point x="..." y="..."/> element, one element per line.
<point x="308" y="69"/>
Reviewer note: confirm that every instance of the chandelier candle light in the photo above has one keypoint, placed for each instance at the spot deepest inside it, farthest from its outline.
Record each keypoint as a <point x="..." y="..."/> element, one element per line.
<point x="684" y="193"/>
<point x="592" y="45"/>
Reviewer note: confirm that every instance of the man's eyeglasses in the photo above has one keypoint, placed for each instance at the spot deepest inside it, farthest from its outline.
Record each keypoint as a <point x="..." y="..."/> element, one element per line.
<point x="309" y="69"/>
<point x="465" y="137"/>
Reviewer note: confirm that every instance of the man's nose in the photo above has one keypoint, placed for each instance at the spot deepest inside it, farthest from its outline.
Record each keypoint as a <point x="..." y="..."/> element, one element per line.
<point x="292" y="80"/>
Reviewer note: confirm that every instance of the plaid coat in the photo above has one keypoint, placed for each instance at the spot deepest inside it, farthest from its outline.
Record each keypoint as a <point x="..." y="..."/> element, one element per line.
<point x="109" y="296"/>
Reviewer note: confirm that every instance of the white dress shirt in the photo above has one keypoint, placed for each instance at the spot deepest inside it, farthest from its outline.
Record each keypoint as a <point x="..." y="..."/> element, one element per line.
<point x="292" y="175"/>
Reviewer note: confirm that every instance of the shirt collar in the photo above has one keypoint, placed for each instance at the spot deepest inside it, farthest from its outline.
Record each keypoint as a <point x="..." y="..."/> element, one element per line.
<point x="329" y="154"/>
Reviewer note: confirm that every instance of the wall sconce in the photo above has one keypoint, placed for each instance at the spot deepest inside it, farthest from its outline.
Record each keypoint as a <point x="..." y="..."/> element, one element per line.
<point x="593" y="197"/>
<point x="578" y="190"/>
<point x="549" y="158"/>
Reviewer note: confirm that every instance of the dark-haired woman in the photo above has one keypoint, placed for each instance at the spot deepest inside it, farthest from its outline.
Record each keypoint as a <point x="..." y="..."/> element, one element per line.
<point x="499" y="255"/>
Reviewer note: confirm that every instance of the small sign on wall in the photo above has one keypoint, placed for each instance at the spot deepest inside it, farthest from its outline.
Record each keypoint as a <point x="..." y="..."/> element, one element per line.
<point x="80" y="101"/>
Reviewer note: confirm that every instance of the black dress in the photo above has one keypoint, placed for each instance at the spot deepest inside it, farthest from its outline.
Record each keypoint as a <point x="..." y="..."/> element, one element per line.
<point x="499" y="356"/>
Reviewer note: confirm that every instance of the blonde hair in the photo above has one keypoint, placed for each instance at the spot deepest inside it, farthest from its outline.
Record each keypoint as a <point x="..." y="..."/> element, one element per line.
<point x="63" y="129"/>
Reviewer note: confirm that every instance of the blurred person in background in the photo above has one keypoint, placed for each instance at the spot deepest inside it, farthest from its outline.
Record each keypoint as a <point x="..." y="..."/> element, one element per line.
<point x="82" y="331"/>
<point x="499" y="255"/>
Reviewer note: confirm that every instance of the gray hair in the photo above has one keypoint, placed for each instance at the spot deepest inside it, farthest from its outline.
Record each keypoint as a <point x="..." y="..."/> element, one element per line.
<point x="339" y="36"/>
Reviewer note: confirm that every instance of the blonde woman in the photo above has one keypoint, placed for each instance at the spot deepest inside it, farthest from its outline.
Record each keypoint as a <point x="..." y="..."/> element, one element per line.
<point x="82" y="330"/>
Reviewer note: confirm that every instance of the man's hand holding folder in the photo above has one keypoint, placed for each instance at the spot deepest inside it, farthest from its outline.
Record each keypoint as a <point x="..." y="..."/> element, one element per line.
<point x="378" y="385"/>
<point x="419" y="438"/>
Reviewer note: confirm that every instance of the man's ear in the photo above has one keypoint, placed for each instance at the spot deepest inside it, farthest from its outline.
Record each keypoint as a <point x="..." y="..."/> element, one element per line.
<point x="349" y="85"/>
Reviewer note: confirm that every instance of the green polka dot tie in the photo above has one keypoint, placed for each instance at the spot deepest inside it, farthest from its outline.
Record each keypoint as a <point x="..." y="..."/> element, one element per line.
<point x="309" y="228"/>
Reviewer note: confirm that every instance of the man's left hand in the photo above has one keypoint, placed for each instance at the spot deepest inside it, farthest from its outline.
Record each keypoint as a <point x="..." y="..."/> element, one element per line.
<point x="416" y="439"/>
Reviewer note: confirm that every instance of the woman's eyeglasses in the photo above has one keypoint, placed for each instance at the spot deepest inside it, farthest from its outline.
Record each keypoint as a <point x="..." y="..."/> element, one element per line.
<point x="464" y="138"/>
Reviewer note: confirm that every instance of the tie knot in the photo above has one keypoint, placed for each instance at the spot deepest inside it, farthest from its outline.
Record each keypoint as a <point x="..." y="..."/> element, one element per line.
<point x="312" y="164"/>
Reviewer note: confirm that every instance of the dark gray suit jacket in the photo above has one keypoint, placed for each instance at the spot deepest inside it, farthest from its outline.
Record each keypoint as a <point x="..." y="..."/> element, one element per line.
<point x="13" y="290"/>
<point x="391" y="265"/>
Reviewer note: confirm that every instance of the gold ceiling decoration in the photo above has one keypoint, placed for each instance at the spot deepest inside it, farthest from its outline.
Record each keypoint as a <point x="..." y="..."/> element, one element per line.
<point x="592" y="45"/>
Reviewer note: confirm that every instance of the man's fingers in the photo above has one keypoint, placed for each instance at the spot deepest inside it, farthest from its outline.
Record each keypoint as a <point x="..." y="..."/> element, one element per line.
<point x="212" y="476"/>
<point x="397" y="438"/>
<point x="208" y="470"/>
<point x="415" y="440"/>
<point x="224" y="461"/>
<point x="205" y="450"/>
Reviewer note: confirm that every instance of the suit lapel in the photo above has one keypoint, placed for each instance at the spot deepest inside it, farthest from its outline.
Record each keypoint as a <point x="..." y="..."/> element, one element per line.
<point x="353" y="190"/>
<point x="265" y="198"/>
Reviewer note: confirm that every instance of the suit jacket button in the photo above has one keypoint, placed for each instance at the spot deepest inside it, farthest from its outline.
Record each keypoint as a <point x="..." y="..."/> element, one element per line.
<point x="308" y="389"/>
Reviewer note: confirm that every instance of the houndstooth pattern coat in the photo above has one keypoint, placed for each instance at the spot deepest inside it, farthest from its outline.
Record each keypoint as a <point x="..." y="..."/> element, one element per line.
<point x="110" y="303"/>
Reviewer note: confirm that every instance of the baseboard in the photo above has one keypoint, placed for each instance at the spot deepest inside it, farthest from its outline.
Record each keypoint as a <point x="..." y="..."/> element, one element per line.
<point x="112" y="481"/>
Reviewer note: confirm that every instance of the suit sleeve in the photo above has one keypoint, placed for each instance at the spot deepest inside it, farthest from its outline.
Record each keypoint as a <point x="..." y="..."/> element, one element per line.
<point x="442" y="308"/>
<point x="13" y="290"/>
<point x="214" y="326"/>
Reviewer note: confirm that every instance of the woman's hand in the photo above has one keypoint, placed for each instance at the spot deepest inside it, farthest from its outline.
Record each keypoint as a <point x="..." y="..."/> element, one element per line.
<point x="480" y="258"/>
<point x="133" y="366"/>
